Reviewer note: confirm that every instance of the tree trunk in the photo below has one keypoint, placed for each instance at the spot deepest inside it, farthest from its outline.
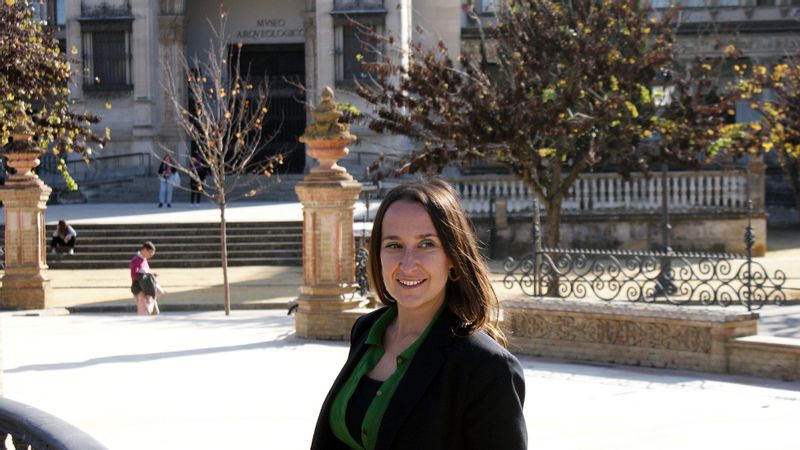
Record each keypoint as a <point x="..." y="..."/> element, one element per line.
<point x="552" y="232"/>
<point x="223" y="239"/>
<point x="552" y="236"/>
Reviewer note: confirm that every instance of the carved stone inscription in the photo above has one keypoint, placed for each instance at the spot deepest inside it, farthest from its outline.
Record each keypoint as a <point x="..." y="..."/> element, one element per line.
<point x="267" y="28"/>
<point x="609" y="331"/>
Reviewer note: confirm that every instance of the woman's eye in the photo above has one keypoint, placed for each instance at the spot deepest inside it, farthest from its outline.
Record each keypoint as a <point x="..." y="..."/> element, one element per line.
<point x="391" y="245"/>
<point x="427" y="244"/>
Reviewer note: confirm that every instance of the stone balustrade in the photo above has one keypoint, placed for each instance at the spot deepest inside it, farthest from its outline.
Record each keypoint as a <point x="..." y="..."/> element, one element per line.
<point x="708" y="191"/>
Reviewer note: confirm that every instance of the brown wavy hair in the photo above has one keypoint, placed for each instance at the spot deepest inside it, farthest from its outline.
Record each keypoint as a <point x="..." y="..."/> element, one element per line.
<point x="471" y="296"/>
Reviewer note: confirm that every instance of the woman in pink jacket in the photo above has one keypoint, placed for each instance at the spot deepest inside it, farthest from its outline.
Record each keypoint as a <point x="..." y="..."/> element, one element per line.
<point x="144" y="286"/>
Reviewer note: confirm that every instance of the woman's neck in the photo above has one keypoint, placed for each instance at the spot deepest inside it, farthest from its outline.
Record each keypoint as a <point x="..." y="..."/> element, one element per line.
<point x="413" y="322"/>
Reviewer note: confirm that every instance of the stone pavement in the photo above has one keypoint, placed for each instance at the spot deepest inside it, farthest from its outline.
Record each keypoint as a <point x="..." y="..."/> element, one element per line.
<point x="201" y="380"/>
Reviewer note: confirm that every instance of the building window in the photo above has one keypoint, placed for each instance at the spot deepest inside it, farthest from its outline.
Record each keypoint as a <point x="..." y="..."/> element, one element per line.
<point x="351" y="19"/>
<point x="51" y="11"/>
<point x="107" y="55"/>
<point x="486" y="6"/>
<point x="60" y="12"/>
<point x="353" y="51"/>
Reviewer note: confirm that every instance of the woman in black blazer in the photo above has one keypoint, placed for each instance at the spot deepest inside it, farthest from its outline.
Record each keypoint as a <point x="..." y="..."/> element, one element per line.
<point x="429" y="370"/>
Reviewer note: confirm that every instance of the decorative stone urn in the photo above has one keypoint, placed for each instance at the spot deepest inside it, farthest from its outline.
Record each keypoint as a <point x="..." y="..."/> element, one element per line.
<point x="327" y="139"/>
<point x="22" y="155"/>
<point x="328" y="193"/>
<point x="24" y="197"/>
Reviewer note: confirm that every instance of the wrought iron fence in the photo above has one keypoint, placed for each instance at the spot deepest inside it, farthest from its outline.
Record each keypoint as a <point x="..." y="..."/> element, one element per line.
<point x="362" y="243"/>
<point x="675" y="277"/>
<point x="362" y="280"/>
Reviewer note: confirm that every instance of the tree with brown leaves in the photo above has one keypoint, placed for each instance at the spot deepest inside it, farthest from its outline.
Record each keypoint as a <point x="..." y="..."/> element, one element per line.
<point x="573" y="93"/>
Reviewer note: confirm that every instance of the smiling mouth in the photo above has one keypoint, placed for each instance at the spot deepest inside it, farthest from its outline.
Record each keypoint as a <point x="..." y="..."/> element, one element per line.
<point x="410" y="283"/>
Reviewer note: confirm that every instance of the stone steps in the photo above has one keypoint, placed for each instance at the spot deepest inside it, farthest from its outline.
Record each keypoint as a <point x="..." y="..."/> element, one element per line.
<point x="159" y="261"/>
<point x="181" y="245"/>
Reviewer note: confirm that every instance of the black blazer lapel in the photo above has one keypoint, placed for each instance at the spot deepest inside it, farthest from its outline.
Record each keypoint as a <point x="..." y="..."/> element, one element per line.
<point x="423" y="369"/>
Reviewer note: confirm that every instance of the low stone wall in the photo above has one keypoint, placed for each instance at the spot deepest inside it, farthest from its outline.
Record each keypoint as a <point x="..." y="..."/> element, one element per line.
<point x="723" y="232"/>
<point x="632" y="334"/>
<point x="765" y="356"/>
<point x="663" y="336"/>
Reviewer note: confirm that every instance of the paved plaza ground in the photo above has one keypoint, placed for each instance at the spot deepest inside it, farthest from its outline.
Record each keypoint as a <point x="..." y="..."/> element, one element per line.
<point x="195" y="379"/>
<point x="205" y="381"/>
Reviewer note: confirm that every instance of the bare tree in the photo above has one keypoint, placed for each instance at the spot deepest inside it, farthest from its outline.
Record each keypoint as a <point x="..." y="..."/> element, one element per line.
<point x="225" y="119"/>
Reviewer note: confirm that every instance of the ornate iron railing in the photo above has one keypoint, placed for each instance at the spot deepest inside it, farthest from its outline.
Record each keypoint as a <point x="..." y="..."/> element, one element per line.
<point x="362" y="280"/>
<point x="91" y="10"/>
<point x="357" y="5"/>
<point x="38" y="430"/>
<point x="676" y="278"/>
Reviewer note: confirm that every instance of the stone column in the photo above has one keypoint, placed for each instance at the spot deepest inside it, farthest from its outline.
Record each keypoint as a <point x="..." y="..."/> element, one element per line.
<point x="755" y="173"/>
<point x="328" y="194"/>
<point x="756" y="169"/>
<point x="171" y="48"/>
<point x="24" y="196"/>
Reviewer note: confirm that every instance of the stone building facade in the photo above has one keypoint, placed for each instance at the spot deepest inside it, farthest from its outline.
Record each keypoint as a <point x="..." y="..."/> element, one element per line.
<point x="123" y="46"/>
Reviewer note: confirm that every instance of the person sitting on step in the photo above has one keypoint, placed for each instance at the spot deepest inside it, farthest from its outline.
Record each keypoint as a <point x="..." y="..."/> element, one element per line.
<point x="63" y="238"/>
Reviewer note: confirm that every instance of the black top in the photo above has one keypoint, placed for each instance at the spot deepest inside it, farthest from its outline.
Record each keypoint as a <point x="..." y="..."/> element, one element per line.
<point x="359" y="403"/>
<point x="462" y="391"/>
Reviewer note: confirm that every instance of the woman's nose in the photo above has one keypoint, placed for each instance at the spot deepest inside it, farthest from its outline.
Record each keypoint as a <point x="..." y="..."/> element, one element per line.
<point x="409" y="259"/>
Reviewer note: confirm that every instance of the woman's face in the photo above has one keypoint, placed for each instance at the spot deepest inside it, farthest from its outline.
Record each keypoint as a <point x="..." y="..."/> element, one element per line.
<point x="414" y="265"/>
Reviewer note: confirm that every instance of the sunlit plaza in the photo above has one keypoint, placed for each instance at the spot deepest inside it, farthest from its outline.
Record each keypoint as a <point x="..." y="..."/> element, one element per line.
<point x="630" y="173"/>
<point x="206" y="381"/>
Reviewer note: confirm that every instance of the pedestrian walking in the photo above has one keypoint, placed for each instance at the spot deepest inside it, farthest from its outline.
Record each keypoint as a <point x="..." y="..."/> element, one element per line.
<point x="144" y="283"/>
<point x="63" y="239"/>
<point x="429" y="371"/>
<point x="168" y="179"/>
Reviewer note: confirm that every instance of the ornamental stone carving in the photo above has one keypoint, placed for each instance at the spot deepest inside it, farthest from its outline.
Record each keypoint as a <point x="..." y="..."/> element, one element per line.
<point x="326" y="124"/>
<point x="613" y="332"/>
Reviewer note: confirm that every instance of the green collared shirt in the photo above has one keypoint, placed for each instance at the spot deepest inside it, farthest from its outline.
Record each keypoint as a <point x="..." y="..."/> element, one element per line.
<point x="376" y="410"/>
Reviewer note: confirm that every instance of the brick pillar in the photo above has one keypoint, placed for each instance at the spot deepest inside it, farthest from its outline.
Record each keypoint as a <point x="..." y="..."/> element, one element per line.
<point x="24" y="196"/>
<point x="328" y="194"/>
